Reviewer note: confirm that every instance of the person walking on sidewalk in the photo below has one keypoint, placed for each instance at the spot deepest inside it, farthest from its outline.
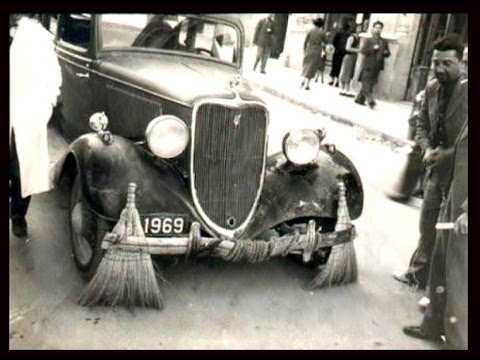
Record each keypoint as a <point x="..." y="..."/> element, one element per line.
<point x="350" y="59"/>
<point x="444" y="110"/>
<point x="375" y="49"/>
<point x="447" y="312"/>
<point x="339" y="43"/>
<point x="263" y="38"/>
<point x="34" y="86"/>
<point x="313" y="47"/>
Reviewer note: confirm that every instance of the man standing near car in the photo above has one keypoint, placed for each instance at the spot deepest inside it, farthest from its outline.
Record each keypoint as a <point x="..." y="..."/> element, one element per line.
<point x="375" y="49"/>
<point x="35" y="79"/>
<point x="444" y="110"/>
<point x="263" y="38"/>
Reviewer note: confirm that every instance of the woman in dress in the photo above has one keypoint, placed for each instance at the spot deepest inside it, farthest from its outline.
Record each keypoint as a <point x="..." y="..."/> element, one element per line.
<point x="313" y="48"/>
<point x="348" y="65"/>
<point x="339" y="43"/>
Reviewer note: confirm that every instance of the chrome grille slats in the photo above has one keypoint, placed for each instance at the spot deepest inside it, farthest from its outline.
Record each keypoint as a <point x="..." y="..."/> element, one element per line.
<point x="228" y="159"/>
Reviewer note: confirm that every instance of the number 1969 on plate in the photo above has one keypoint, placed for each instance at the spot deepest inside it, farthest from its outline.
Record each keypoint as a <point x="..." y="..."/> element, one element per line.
<point x="162" y="225"/>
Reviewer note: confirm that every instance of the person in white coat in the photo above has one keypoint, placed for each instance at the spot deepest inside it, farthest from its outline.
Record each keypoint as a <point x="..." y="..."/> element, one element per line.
<point x="35" y="79"/>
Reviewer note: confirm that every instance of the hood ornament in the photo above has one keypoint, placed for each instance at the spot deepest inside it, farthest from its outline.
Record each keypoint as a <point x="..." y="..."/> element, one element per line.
<point x="234" y="84"/>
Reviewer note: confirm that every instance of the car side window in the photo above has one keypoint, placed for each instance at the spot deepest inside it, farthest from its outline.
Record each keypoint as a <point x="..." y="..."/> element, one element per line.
<point x="74" y="29"/>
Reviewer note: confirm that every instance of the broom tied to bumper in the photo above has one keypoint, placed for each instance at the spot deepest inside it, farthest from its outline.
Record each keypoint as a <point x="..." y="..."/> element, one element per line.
<point x="124" y="276"/>
<point x="341" y="266"/>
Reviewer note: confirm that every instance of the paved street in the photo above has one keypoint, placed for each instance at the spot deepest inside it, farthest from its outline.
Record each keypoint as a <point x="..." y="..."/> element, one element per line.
<point x="217" y="305"/>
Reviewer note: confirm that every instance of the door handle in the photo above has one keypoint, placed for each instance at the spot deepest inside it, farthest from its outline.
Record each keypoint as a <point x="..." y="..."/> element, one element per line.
<point x="83" y="75"/>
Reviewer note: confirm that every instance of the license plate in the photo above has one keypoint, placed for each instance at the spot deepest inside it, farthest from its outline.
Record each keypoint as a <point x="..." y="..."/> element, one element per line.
<point x="163" y="225"/>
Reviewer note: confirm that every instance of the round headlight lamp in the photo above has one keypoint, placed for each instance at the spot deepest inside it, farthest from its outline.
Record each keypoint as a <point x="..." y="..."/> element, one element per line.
<point x="301" y="146"/>
<point x="167" y="136"/>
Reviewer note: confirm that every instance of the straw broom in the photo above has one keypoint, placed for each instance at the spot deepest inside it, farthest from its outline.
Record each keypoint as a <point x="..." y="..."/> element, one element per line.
<point x="124" y="277"/>
<point x="341" y="266"/>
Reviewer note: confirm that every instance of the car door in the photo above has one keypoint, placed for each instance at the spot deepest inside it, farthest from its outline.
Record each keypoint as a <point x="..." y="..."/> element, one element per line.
<point x="75" y="49"/>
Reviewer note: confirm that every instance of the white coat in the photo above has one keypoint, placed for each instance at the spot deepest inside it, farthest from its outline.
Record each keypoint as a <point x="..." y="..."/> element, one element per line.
<point x="35" y="79"/>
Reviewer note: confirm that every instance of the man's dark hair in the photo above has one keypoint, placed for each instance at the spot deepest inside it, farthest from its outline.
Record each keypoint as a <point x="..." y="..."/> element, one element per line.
<point x="450" y="42"/>
<point x="378" y="22"/>
<point x="318" y="22"/>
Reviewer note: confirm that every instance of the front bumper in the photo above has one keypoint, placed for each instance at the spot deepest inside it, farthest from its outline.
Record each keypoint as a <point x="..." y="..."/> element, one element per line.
<point x="127" y="235"/>
<point x="194" y="244"/>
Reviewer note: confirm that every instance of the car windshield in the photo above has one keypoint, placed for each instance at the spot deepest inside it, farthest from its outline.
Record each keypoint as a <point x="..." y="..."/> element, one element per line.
<point x="179" y="33"/>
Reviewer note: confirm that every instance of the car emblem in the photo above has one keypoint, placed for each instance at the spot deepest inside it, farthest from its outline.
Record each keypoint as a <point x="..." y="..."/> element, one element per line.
<point x="236" y="120"/>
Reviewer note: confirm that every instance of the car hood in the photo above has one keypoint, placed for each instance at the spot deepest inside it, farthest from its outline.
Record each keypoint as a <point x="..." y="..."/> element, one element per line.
<point x="182" y="79"/>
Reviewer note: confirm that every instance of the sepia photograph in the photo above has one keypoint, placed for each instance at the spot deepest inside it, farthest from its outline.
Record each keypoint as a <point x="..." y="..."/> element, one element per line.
<point x="240" y="181"/>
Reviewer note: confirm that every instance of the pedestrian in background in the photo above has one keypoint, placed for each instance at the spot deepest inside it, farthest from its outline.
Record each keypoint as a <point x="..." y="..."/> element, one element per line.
<point x="263" y="38"/>
<point x="321" y="67"/>
<point x="34" y="87"/>
<point x="339" y="43"/>
<point x="443" y="112"/>
<point x="349" y="61"/>
<point x="375" y="50"/>
<point x="447" y="312"/>
<point x="314" y="48"/>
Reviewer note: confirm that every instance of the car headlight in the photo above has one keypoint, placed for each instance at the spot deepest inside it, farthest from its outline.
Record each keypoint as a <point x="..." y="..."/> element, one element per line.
<point x="167" y="136"/>
<point x="302" y="146"/>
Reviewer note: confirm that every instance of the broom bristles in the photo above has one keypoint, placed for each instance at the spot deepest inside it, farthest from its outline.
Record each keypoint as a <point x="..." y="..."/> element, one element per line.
<point x="340" y="269"/>
<point x="341" y="266"/>
<point x="124" y="277"/>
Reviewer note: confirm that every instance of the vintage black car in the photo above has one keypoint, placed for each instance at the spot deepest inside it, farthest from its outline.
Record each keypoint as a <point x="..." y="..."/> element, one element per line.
<point x="189" y="132"/>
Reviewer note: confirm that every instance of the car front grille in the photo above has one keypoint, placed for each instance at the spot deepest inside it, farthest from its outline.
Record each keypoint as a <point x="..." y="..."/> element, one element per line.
<point x="228" y="159"/>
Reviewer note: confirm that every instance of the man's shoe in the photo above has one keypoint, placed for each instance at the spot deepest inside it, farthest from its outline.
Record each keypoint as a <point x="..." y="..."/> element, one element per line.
<point x="19" y="226"/>
<point x="406" y="279"/>
<point x="372" y="104"/>
<point x="418" y="193"/>
<point x="360" y="102"/>
<point x="410" y="281"/>
<point x="263" y="72"/>
<point x="418" y="333"/>
<point x="398" y="198"/>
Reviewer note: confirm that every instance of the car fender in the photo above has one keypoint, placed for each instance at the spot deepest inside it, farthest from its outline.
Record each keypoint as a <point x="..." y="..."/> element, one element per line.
<point x="292" y="192"/>
<point x="107" y="169"/>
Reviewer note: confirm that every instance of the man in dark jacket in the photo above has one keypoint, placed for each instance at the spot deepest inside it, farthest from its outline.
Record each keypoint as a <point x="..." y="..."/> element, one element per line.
<point x="375" y="50"/>
<point x="447" y="313"/>
<point x="263" y="38"/>
<point x="443" y="113"/>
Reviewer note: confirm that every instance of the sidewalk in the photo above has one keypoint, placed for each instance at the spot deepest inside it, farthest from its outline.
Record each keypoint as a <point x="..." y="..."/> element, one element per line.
<point x="389" y="120"/>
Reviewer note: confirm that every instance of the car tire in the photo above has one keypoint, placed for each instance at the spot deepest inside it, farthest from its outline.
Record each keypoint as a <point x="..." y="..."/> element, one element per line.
<point x="86" y="232"/>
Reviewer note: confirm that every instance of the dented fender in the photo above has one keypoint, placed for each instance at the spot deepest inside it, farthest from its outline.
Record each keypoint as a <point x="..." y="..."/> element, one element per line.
<point x="291" y="191"/>
<point x="106" y="170"/>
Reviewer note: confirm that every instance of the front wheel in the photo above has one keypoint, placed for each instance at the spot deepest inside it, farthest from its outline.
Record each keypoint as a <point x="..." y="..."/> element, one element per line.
<point x="86" y="232"/>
